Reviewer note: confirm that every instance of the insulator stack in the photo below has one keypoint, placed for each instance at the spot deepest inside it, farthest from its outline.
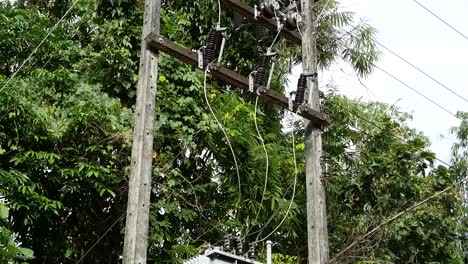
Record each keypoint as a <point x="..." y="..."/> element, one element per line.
<point x="300" y="93"/>
<point x="262" y="71"/>
<point x="238" y="19"/>
<point x="211" y="49"/>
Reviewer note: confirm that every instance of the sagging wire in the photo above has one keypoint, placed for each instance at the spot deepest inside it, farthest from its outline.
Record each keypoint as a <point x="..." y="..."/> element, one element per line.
<point x="294" y="190"/>
<point x="266" y="158"/>
<point x="280" y="28"/>
<point x="223" y="130"/>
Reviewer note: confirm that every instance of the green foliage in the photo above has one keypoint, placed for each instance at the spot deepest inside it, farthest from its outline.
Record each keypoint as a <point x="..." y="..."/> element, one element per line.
<point x="375" y="176"/>
<point x="65" y="134"/>
<point x="10" y="252"/>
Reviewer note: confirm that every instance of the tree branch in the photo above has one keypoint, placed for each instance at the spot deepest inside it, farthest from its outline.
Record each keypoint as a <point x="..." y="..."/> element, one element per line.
<point x="388" y="221"/>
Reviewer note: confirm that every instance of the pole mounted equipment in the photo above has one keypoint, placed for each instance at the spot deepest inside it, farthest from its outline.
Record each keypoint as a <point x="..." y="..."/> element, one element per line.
<point x="214" y="47"/>
<point x="291" y="20"/>
<point x="299" y="100"/>
<point x="325" y="161"/>
<point x="260" y="79"/>
<point x="269" y="8"/>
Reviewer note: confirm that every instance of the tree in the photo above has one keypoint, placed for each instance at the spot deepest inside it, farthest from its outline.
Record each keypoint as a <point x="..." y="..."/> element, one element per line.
<point x="380" y="168"/>
<point x="66" y="132"/>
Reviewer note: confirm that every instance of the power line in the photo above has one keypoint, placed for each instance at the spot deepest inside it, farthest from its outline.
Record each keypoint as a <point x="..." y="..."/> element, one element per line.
<point x="414" y="90"/>
<point x="38" y="46"/>
<point x="101" y="237"/>
<point x="405" y="84"/>
<point x="380" y="128"/>
<point x="442" y="20"/>
<point x="421" y="71"/>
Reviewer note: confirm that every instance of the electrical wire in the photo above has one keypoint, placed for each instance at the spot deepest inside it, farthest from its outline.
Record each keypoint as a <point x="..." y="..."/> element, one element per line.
<point x="420" y="70"/>
<point x="266" y="158"/>
<point x="38" y="46"/>
<point x="416" y="91"/>
<point x="294" y="190"/>
<point x="272" y="216"/>
<point x="274" y="40"/>
<point x="319" y="16"/>
<point x="442" y="20"/>
<point x="277" y="34"/>
<point x="223" y="130"/>
<point x="100" y="238"/>
<point x="380" y="128"/>
<point x="405" y="84"/>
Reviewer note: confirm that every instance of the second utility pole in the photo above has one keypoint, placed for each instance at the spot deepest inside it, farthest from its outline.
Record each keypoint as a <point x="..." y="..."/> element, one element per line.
<point x="317" y="233"/>
<point x="139" y="191"/>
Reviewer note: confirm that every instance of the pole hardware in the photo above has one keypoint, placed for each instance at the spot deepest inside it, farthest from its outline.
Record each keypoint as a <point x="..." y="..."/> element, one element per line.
<point x="325" y="161"/>
<point x="260" y="79"/>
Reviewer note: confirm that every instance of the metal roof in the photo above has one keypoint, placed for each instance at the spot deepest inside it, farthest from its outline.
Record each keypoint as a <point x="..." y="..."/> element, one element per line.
<point x="217" y="256"/>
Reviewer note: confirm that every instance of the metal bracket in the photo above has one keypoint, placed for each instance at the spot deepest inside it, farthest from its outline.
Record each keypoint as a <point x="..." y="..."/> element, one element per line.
<point x="270" y="77"/>
<point x="223" y="43"/>
<point x="251" y="81"/>
<point x="200" y="57"/>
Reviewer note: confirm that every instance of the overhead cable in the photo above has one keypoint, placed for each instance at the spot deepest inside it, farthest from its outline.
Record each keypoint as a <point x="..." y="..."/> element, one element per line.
<point x="441" y="20"/>
<point x="421" y="71"/>
<point x="380" y="128"/>
<point x="101" y="237"/>
<point x="38" y="46"/>
<point x="223" y="130"/>
<point x="404" y="83"/>
<point x="414" y="90"/>
<point x="266" y="158"/>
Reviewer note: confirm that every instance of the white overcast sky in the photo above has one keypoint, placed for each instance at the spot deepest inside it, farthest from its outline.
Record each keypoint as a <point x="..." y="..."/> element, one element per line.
<point x="420" y="38"/>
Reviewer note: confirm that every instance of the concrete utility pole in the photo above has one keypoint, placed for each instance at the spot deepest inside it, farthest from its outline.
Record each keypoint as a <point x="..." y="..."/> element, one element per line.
<point x="136" y="228"/>
<point x="317" y="233"/>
